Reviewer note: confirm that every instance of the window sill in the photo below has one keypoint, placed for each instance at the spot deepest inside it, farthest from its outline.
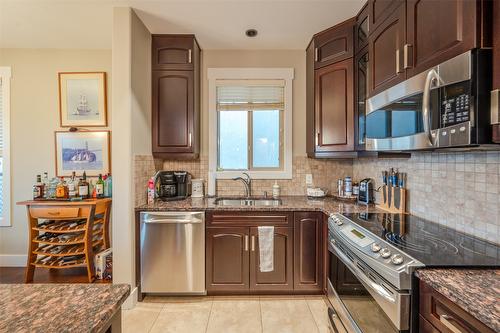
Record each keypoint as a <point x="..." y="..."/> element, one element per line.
<point x="254" y="174"/>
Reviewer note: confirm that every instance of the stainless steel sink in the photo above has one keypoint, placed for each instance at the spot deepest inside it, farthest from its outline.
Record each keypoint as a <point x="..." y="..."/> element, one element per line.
<point x="259" y="202"/>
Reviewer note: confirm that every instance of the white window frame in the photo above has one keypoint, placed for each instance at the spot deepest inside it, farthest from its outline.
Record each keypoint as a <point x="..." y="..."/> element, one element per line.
<point x="214" y="74"/>
<point x="5" y="76"/>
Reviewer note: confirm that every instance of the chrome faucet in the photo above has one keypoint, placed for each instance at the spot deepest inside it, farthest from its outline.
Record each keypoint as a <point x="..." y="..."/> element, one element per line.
<point x="247" y="183"/>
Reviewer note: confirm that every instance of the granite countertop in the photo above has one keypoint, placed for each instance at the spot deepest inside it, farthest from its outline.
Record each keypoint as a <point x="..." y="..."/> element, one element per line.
<point x="477" y="291"/>
<point x="59" y="307"/>
<point x="289" y="203"/>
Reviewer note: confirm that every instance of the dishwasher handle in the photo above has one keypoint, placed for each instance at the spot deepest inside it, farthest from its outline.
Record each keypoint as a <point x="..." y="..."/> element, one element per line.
<point x="172" y="218"/>
<point x="172" y="221"/>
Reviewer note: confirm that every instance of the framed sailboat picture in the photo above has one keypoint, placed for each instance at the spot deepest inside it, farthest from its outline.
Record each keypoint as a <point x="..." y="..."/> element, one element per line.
<point x="82" y="151"/>
<point x="82" y="99"/>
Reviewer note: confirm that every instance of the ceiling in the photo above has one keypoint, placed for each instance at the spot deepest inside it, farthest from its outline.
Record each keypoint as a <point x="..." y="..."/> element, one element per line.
<point x="217" y="24"/>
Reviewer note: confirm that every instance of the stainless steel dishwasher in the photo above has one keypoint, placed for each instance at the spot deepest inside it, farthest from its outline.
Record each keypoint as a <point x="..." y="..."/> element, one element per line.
<point x="172" y="252"/>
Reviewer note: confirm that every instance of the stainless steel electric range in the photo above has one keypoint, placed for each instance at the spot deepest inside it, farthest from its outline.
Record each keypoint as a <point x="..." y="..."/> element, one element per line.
<point x="372" y="257"/>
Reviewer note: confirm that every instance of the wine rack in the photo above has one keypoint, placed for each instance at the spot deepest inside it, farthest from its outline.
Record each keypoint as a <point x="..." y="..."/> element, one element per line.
<point x="66" y="234"/>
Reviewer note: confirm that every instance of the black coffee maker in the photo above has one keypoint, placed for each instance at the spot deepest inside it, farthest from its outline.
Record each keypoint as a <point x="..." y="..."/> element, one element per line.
<point x="171" y="185"/>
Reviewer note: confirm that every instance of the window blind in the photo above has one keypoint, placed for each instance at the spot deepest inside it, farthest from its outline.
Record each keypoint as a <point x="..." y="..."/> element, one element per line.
<point x="237" y="98"/>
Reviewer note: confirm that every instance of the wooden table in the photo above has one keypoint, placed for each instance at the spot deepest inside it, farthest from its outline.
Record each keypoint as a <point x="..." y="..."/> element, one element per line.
<point x="81" y="229"/>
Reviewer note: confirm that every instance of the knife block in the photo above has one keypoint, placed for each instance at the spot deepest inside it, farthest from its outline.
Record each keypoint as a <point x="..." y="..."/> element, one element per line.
<point x="393" y="199"/>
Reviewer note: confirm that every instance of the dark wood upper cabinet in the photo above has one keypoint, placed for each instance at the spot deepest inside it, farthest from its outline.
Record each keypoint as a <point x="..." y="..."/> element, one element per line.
<point x="281" y="277"/>
<point x="438" y="31"/>
<point x="386" y="47"/>
<point x="175" y="97"/>
<point x="227" y="259"/>
<point x="177" y="52"/>
<point x="334" y="128"/>
<point x="496" y="44"/>
<point x="334" y="44"/>
<point x="308" y="251"/>
<point x="362" y="29"/>
<point x="380" y="10"/>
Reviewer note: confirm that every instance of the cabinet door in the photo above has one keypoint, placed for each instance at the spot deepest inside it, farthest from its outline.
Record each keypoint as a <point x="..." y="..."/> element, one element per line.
<point x="334" y="114"/>
<point x="380" y="10"/>
<point x="386" y="45"/>
<point x="308" y="256"/>
<point x="175" y="52"/>
<point x="281" y="277"/>
<point x="438" y="31"/>
<point x="173" y="111"/>
<point x="361" y="68"/>
<point x="334" y="44"/>
<point x="227" y="259"/>
<point x="362" y="29"/>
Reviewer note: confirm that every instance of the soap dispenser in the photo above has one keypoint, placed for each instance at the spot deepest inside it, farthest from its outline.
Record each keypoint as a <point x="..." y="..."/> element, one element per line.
<point x="276" y="189"/>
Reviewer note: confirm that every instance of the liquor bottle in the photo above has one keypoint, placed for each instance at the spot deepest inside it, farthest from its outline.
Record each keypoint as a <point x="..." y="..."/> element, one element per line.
<point x="60" y="189"/>
<point x="46" y="184"/>
<point x="83" y="187"/>
<point x="99" y="187"/>
<point x="108" y="186"/>
<point x="72" y="186"/>
<point x="92" y="189"/>
<point x="38" y="188"/>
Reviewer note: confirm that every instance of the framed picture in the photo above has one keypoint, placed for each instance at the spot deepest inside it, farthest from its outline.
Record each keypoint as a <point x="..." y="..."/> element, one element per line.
<point x="82" y="151"/>
<point x="82" y="99"/>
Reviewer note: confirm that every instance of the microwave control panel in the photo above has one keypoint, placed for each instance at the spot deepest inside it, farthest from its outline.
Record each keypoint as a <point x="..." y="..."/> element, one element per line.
<point x="456" y="103"/>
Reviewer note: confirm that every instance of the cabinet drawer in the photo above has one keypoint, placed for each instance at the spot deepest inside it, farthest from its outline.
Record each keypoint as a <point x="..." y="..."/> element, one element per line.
<point x="248" y="218"/>
<point x="54" y="212"/>
<point x="445" y="315"/>
<point x="334" y="44"/>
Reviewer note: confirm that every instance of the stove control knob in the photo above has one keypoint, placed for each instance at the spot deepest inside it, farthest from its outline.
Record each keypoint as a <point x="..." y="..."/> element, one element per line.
<point x="385" y="253"/>
<point x="339" y="222"/>
<point x="332" y="216"/>
<point x="376" y="247"/>
<point x="397" y="259"/>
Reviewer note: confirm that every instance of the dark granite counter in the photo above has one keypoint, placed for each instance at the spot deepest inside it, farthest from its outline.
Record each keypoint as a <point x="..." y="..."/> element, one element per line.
<point x="59" y="307"/>
<point x="477" y="291"/>
<point x="289" y="203"/>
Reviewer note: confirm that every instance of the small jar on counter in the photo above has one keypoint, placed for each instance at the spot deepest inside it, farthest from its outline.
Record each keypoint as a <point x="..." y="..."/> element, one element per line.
<point x="348" y="186"/>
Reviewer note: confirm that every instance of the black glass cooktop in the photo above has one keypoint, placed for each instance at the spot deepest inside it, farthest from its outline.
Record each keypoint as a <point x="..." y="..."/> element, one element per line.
<point x="430" y="243"/>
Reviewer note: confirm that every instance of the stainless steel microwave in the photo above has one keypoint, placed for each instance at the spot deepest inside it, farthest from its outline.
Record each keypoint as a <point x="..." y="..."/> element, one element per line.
<point x="445" y="106"/>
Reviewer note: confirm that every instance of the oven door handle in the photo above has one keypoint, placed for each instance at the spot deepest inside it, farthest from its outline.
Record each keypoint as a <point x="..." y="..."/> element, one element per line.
<point x="375" y="287"/>
<point x="431" y="79"/>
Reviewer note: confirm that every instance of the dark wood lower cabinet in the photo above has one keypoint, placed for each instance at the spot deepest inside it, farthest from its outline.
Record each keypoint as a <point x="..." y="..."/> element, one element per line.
<point x="227" y="259"/>
<point x="281" y="278"/>
<point x="308" y="251"/>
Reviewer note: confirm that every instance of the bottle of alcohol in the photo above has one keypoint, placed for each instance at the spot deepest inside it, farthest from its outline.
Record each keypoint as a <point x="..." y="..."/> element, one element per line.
<point x="83" y="187"/>
<point x="60" y="189"/>
<point x="46" y="184"/>
<point x="38" y="188"/>
<point x="99" y="187"/>
<point x="72" y="186"/>
<point x="108" y="186"/>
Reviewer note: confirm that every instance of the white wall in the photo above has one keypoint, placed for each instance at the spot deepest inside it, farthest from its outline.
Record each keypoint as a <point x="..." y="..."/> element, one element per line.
<point x="131" y="95"/>
<point x="34" y="118"/>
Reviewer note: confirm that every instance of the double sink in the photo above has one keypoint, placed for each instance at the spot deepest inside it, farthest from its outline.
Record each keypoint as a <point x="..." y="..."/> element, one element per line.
<point x="255" y="202"/>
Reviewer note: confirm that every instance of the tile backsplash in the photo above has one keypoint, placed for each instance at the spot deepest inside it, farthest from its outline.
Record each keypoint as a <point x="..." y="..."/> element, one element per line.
<point x="459" y="190"/>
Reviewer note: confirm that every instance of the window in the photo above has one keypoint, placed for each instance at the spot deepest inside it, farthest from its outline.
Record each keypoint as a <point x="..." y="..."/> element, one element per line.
<point x="4" y="146"/>
<point x="250" y="123"/>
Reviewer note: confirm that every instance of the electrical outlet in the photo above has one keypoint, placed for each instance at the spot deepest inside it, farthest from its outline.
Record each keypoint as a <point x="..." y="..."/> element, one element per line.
<point x="309" y="179"/>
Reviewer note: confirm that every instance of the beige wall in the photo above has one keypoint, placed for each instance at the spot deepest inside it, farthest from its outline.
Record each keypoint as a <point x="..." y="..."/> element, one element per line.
<point x="260" y="58"/>
<point x="34" y="118"/>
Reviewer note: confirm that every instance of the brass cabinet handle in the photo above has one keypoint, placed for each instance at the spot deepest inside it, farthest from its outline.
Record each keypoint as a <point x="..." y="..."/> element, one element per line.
<point x="398" y="69"/>
<point x="447" y="321"/>
<point x="315" y="54"/>
<point x="189" y="56"/>
<point x="190" y="139"/>
<point x="253" y="243"/>
<point x="246" y="243"/>
<point x="317" y="139"/>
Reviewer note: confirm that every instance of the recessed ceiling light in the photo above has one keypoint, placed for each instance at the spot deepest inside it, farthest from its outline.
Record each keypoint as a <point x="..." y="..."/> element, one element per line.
<point x="251" y="33"/>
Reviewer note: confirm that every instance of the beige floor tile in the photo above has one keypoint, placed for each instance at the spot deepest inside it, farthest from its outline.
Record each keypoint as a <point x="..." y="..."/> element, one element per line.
<point x="183" y="317"/>
<point x="319" y="310"/>
<point x="235" y="315"/>
<point x="141" y="318"/>
<point x="287" y="315"/>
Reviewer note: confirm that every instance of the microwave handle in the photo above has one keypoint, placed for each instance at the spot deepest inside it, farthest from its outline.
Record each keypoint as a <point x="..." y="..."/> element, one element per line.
<point x="431" y="78"/>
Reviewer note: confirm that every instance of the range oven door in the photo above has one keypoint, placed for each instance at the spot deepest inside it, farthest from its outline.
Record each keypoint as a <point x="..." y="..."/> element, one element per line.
<point x="361" y="301"/>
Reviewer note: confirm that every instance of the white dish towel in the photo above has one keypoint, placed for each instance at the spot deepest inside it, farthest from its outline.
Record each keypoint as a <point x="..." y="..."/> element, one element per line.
<point x="266" y="249"/>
